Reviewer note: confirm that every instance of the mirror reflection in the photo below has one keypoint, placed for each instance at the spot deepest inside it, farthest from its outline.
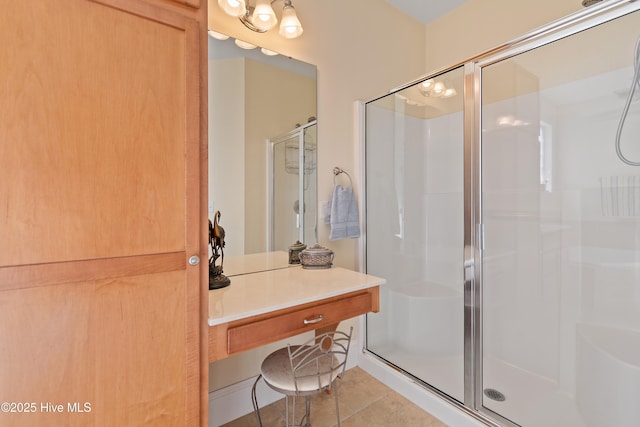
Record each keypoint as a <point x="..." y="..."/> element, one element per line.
<point x="262" y="149"/>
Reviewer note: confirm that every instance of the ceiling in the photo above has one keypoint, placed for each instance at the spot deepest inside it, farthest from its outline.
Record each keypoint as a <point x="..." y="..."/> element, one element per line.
<point x="426" y="11"/>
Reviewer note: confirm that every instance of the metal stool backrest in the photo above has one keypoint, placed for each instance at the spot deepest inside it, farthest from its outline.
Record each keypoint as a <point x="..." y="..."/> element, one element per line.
<point x="318" y="362"/>
<point x="305" y="370"/>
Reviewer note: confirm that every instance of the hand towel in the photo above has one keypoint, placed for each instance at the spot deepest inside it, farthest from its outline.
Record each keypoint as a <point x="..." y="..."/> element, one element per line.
<point x="344" y="214"/>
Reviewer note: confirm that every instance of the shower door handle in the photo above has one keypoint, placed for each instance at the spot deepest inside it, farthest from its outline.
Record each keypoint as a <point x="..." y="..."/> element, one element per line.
<point x="469" y="270"/>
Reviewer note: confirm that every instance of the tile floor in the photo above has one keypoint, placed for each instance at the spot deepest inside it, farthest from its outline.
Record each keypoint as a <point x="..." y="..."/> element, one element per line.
<point x="364" y="402"/>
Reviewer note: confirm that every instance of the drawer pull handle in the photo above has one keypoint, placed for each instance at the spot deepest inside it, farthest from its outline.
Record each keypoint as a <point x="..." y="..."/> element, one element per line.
<point x="312" y="321"/>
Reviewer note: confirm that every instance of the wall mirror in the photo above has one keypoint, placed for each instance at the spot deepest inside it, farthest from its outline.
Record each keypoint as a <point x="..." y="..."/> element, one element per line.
<point x="262" y="153"/>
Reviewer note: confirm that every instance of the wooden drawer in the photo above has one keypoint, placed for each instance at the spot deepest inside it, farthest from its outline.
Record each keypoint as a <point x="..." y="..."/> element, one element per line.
<point x="285" y="323"/>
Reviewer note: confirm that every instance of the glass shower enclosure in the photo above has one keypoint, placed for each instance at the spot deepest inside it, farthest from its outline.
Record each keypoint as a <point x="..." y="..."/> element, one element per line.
<point x="503" y="208"/>
<point x="292" y="189"/>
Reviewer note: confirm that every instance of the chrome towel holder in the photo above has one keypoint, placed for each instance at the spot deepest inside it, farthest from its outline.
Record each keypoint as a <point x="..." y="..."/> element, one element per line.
<point x="337" y="171"/>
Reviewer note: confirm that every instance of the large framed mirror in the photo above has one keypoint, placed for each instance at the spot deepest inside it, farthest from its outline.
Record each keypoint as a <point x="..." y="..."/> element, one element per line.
<point x="262" y="150"/>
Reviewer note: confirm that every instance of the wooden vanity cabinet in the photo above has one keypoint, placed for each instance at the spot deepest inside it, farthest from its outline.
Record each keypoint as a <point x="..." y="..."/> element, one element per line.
<point x="322" y="315"/>
<point x="102" y="176"/>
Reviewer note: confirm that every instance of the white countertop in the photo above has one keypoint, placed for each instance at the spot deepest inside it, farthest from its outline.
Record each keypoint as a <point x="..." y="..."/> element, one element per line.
<point x="265" y="291"/>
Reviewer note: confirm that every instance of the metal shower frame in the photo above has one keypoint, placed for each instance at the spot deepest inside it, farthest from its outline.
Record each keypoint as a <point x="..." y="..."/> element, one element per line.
<point x="298" y="132"/>
<point x="473" y="221"/>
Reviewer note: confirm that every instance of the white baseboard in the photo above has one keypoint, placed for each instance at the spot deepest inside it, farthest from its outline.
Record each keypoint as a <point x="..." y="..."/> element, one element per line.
<point x="234" y="401"/>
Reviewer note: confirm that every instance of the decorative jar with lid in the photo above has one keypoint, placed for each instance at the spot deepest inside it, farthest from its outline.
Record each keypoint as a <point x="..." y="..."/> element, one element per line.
<point x="316" y="257"/>
<point x="294" y="252"/>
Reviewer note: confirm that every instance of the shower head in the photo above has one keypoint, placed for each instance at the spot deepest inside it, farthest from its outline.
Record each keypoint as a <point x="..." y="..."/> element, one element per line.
<point x="587" y="3"/>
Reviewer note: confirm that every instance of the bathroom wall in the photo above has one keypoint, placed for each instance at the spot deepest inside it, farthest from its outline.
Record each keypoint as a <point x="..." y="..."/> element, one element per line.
<point x="480" y="25"/>
<point x="229" y="86"/>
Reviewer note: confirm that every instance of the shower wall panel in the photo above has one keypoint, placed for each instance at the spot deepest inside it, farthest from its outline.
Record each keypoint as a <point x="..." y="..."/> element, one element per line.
<point x="415" y="232"/>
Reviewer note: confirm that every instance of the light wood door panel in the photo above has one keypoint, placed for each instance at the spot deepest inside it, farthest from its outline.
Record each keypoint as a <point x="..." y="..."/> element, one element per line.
<point x="93" y="136"/>
<point x="141" y="328"/>
<point x="117" y="345"/>
<point x="102" y="142"/>
<point x="47" y="353"/>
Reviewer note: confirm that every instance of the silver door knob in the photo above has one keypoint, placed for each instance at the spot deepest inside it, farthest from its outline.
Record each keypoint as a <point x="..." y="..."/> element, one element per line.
<point x="194" y="260"/>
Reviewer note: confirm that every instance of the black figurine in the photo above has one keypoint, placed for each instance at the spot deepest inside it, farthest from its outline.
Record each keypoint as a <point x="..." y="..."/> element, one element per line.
<point x="217" y="280"/>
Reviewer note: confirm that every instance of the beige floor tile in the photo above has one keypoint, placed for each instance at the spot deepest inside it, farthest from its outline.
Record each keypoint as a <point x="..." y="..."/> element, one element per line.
<point x="359" y="389"/>
<point x="392" y="410"/>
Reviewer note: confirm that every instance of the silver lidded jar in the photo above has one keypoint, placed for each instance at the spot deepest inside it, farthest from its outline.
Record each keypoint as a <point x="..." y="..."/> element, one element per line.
<point x="317" y="257"/>
<point x="294" y="252"/>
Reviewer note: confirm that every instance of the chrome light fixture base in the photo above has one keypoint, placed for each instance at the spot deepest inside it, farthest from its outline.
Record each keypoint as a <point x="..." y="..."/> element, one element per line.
<point x="246" y="20"/>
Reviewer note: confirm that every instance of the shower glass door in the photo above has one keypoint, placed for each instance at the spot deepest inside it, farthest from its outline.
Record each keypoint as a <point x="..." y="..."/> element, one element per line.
<point x="415" y="229"/>
<point x="292" y="189"/>
<point x="561" y="215"/>
<point x="530" y="188"/>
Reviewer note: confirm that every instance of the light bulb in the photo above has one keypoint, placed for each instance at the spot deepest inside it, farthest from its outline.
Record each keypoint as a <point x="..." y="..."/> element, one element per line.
<point x="448" y="93"/>
<point x="217" y="35"/>
<point x="264" y="18"/>
<point x="426" y="87"/>
<point x="427" y="84"/>
<point x="244" y="45"/>
<point x="235" y="8"/>
<point x="505" y="120"/>
<point x="438" y="88"/>
<point x="290" y="26"/>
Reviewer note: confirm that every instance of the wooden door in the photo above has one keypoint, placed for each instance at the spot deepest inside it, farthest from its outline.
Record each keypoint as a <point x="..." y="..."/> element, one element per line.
<point x="102" y="142"/>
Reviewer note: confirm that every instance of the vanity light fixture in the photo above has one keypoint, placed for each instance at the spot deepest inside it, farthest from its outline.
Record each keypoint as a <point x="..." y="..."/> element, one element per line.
<point x="235" y="8"/>
<point x="262" y="18"/>
<point x="436" y="89"/>
<point x="409" y="101"/>
<point x="511" y="121"/>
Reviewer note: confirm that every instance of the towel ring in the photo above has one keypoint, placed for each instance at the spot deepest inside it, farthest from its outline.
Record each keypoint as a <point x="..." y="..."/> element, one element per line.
<point x="337" y="171"/>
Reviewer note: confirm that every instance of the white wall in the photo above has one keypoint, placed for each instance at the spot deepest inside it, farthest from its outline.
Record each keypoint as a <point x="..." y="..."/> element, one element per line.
<point x="226" y="81"/>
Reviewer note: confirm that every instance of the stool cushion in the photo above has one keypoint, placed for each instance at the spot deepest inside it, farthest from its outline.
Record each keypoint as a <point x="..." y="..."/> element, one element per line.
<point x="277" y="373"/>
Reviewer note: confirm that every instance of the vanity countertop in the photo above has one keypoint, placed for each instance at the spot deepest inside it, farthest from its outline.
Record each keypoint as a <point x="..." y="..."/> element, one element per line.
<point x="266" y="291"/>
